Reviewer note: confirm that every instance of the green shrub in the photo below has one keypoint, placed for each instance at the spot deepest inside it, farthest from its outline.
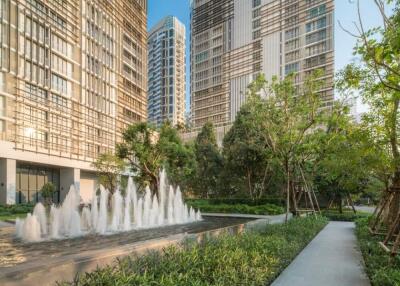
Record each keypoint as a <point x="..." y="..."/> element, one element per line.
<point x="266" y="209"/>
<point x="244" y="201"/>
<point x="7" y="210"/>
<point x="252" y="258"/>
<point x="381" y="270"/>
<point x="345" y="216"/>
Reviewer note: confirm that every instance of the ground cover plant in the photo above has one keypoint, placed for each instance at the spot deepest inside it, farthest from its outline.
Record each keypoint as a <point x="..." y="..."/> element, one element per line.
<point x="10" y="212"/>
<point x="346" y="215"/>
<point x="381" y="269"/>
<point x="252" y="258"/>
<point x="242" y="208"/>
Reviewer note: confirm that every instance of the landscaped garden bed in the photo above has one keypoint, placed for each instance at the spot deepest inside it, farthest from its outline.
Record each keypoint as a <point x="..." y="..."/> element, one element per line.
<point x="11" y="212"/>
<point x="346" y="215"/>
<point x="252" y="258"/>
<point x="236" y="206"/>
<point x="381" y="269"/>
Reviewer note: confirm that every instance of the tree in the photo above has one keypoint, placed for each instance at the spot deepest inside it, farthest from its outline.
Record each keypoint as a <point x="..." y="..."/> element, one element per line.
<point x="346" y="158"/>
<point x="377" y="78"/>
<point x="109" y="170"/>
<point x="249" y="166"/>
<point x="148" y="150"/>
<point x="47" y="192"/>
<point x="209" y="161"/>
<point x="290" y="116"/>
<point x="140" y="149"/>
<point x="179" y="159"/>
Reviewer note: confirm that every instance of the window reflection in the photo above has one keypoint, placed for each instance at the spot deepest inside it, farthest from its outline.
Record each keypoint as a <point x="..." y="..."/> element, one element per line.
<point x="31" y="178"/>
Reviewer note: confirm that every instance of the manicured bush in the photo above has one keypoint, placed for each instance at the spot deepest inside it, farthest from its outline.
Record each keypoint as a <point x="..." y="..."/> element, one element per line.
<point x="10" y="212"/>
<point x="381" y="270"/>
<point x="335" y="215"/>
<point x="266" y="209"/>
<point x="252" y="258"/>
<point x="15" y="209"/>
<point x="245" y="201"/>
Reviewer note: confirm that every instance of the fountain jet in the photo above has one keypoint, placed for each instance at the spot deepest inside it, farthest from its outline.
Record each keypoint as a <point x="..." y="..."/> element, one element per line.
<point x="127" y="212"/>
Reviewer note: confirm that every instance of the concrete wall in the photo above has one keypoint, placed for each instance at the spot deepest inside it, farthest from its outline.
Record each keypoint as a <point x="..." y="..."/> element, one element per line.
<point x="70" y="170"/>
<point x="238" y="89"/>
<point x="271" y="55"/>
<point x="242" y="23"/>
<point x="89" y="184"/>
<point x="7" y="150"/>
<point x="8" y="171"/>
<point x="68" y="177"/>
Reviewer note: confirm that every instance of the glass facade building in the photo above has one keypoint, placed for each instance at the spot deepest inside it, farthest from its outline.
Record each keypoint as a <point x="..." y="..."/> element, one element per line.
<point x="73" y="75"/>
<point x="232" y="41"/>
<point x="166" y="79"/>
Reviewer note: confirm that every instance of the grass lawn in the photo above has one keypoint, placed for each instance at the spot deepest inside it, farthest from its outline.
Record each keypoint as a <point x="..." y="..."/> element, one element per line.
<point x="381" y="270"/>
<point x="241" y="208"/>
<point x="252" y="258"/>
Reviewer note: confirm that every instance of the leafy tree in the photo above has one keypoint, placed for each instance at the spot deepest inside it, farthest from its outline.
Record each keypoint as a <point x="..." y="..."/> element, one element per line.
<point x="290" y="116"/>
<point x="148" y="150"/>
<point x="47" y="192"/>
<point x="249" y="166"/>
<point x="179" y="159"/>
<point x="346" y="159"/>
<point x="109" y="170"/>
<point x="377" y="78"/>
<point x="209" y="161"/>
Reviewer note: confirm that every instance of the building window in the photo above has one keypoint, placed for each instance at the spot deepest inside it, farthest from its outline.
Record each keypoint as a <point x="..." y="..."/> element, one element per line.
<point x="256" y="34"/>
<point x="256" y="23"/>
<point x="316" y="25"/>
<point x="316" y="37"/>
<point x="257" y="13"/>
<point x="256" y="3"/>
<point x="292" y="33"/>
<point x="2" y="105"/>
<point x="291" y="68"/>
<point x="317" y="11"/>
<point x="30" y="179"/>
<point x="59" y="84"/>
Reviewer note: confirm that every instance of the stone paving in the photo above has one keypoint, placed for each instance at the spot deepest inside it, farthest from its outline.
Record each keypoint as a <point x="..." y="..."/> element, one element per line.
<point x="331" y="259"/>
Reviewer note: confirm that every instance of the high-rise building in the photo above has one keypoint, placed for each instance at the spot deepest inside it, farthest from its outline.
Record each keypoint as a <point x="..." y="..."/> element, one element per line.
<point x="166" y="78"/>
<point x="232" y="41"/>
<point x="73" y="75"/>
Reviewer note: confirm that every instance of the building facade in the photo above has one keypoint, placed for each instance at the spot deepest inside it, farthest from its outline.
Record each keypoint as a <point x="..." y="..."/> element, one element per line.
<point x="232" y="41"/>
<point x="167" y="72"/>
<point x="73" y="75"/>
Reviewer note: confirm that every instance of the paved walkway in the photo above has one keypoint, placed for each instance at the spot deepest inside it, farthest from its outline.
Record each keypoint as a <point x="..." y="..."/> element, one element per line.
<point x="271" y="218"/>
<point x="5" y="224"/>
<point x="331" y="259"/>
<point x="366" y="209"/>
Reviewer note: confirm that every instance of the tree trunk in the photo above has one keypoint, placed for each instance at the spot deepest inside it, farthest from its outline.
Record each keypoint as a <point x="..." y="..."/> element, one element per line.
<point x="340" y="204"/>
<point x="287" y="194"/>
<point x="395" y="204"/>
<point x="351" y="203"/>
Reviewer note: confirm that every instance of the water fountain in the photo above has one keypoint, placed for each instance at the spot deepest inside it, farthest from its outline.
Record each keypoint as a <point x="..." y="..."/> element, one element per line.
<point x="127" y="213"/>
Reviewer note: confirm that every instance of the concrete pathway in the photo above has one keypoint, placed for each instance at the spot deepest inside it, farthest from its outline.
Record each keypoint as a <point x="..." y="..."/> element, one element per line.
<point x="5" y="224"/>
<point x="271" y="219"/>
<point x="366" y="209"/>
<point x="331" y="259"/>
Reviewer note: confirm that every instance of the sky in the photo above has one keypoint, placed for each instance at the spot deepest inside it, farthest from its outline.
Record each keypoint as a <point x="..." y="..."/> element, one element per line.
<point x="345" y="13"/>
